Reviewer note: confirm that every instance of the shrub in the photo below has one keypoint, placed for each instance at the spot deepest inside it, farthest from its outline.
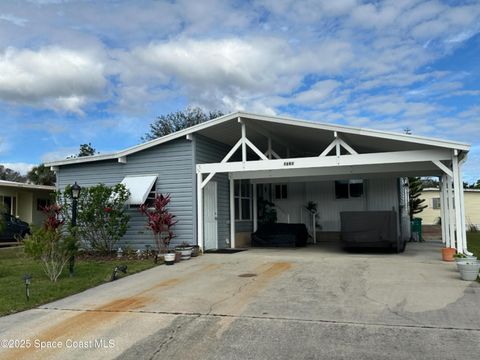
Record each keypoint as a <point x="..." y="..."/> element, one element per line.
<point x="160" y="221"/>
<point x="50" y="244"/>
<point x="102" y="219"/>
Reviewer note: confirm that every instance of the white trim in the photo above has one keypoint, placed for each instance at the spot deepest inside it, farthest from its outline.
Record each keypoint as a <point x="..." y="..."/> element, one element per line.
<point x="327" y="161"/>
<point x="232" y="213"/>
<point x="451" y="215"/>
<point x="15" y="184"/>
<point x="347" y="147"/>
<point x="255" y="149"/>
<point x="443" y="167"/>
<point x="244" y="143"/>
<point x="442" y="208"/>
<point x="199" y="211"/>
<point x="457" y="188"/>
<point x="328" y="148"/>
<point x="279" y="120"/>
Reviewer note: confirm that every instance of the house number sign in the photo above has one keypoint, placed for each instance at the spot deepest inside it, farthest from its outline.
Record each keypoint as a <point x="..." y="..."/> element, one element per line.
<point x="289" y="163"/>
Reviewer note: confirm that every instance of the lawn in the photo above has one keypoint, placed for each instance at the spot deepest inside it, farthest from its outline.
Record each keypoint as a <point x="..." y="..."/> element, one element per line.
<point x="88" y="273"/>
<point x="473" y="242"/>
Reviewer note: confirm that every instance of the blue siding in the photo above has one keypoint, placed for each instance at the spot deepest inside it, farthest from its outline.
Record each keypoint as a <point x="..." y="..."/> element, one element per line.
<point x="210" y="151"/>
<point x="172" y="162"/>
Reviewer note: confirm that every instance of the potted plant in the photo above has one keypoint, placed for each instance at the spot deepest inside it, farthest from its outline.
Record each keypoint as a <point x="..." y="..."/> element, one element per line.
<point x="185" y="251"/>
<point x="461" y="258"/>
<point x="448" y="253"/>
<point x="469" y="269"/>
<point x="160" y="222"/>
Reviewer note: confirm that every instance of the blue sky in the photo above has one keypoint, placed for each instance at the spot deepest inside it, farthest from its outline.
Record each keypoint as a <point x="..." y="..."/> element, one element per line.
<point x="74" y="72"/>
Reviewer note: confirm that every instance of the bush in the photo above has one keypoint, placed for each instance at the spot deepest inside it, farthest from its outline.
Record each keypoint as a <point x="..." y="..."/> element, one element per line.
<point x="50" y="244"/>
<point x="102" y="219"/>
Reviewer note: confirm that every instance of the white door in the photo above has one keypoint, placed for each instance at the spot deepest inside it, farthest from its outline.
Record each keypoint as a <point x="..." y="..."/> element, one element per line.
<point x="210" y="215"/>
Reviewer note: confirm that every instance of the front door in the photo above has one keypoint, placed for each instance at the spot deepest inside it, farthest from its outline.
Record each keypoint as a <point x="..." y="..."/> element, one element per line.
<point x="210" y="215"/>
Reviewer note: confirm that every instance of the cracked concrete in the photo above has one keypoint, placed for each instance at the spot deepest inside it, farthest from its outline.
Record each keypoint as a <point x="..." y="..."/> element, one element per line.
<point x="303" y="304"/>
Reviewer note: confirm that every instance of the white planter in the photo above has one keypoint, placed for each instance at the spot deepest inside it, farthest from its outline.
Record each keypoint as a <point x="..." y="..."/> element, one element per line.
<point x="464" y="260"/>
<point x="169" y="258"/>
<point x="186" y="252"/>
<point x="469" y="269"/>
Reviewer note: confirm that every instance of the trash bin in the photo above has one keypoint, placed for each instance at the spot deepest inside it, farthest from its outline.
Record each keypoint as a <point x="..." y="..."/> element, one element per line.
<point x="416" y="224"/>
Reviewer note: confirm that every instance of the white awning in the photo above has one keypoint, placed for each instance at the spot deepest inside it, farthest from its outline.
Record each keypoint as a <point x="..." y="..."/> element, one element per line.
<point x="139" y="187"/>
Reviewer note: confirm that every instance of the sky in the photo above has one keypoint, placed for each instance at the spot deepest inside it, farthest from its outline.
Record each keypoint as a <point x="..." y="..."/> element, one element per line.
<point x="100" y="72"/>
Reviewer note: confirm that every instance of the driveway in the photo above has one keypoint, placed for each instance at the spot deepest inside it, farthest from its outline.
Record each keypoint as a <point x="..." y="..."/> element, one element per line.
<point x="309" y="303"/>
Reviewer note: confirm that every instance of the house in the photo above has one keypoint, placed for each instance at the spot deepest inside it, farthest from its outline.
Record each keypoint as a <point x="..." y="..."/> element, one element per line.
<point x="216" y="170"/>
<point x="25" y="200"/>
<point x="431" y="214"/>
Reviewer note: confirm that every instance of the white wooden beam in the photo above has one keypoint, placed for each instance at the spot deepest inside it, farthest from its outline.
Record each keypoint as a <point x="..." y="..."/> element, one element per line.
<point x="443" y="167"/>
<point x="244" y="137"/>
<point x="189" y="137"/>
<point x="232" y="212"/>
<point x="199" y="211"/>
<point x="255" y="149"/>
<point x="451" y="214"/>
<point x="254" y="206"/>
<point x="122" y="159"/>
<point x="395" y="157"/>
<point x="457" y="187"/>
<point x="347" y="147"/>
<point x="329" y="148"/>
<point x="224" y="160"/>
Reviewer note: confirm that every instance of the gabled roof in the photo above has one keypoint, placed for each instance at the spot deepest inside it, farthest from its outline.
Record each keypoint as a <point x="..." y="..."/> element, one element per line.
<point x="19" y="185"/>
<point x="413" y="139"/>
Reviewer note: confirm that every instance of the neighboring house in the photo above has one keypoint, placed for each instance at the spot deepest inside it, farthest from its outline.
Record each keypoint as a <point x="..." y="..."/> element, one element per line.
<point x="25" y="200"/>
<point x="431" y="214"/>
<point x="216" y="170"/>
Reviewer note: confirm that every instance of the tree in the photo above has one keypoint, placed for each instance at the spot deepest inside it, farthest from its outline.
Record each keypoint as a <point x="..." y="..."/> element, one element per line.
<point x="416" y="203"/>
<point x="11" y="175"/>
<point x="175" y="121"/>
<point x="86" y="150"/>
<point x="41" y="175"/>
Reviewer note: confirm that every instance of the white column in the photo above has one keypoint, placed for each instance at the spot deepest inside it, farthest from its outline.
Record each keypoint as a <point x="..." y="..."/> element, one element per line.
<point x="462" y="207"/>
<point x="254" y="205"/>
<point x="244" y="144"/>
<point x="457" y="188"/>
<point x="232" y="214"/>
<point x="450" y="215"/>
<point x="199" y="210"/>
<point x="442" y="207"/>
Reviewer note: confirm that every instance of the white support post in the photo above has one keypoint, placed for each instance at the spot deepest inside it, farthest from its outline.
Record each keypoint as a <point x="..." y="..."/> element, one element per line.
<point x="244" y="143"/>
<point x="254" y="205"/>
<point x="199" y="210"/>
<point x="232" y="213"/>
<point x="458" y="205"/>
<point x="442" y="207"/>
<point x="450" y="215"/>
<point x="462" y="208"/>
<point x="337" y="144"/>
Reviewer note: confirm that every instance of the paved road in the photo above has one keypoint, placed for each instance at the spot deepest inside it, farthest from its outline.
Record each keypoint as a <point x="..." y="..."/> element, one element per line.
<point x="315" y="303"/>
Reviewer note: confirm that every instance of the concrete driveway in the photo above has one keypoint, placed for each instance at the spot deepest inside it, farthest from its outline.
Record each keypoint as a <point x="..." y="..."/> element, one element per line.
<point x="309" y="303"/>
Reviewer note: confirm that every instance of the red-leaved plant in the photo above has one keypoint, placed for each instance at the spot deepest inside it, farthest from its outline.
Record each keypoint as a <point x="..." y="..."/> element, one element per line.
<point x="160" y="221"/>
<point x="54" y="218"/>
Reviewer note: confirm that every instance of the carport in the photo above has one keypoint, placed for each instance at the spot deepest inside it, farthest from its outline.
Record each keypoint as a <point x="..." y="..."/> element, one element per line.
<point x="265" y="149"/>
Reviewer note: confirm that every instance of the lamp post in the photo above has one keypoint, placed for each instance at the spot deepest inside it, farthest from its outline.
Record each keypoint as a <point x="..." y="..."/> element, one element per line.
<point x="75" y="194"/>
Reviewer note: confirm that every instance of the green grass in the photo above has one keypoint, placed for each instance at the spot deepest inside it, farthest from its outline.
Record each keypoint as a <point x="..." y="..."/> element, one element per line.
<point x="473" y="242"/>
<point x="88" y="273"/>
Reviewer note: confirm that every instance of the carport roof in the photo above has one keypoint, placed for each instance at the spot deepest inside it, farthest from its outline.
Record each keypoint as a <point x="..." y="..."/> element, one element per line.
<point x="303" y="137"/>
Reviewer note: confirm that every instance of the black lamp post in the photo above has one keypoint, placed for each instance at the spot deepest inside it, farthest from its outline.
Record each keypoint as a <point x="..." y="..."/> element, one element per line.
<point x="75" y="194"/>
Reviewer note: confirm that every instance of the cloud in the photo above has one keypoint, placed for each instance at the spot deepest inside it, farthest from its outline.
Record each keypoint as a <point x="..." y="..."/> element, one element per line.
<point x="52" y="77"/>
<point x="21" y="167"/>
<point x="59" y="154"/>
<point x="13" y="19"/>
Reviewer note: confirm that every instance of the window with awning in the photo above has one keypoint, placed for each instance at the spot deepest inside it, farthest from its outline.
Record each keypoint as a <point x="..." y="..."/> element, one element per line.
<point x="140" y="188"/>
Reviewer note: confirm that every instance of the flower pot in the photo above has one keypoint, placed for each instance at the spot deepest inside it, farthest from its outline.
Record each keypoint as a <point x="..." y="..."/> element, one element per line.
<point x="169" y="258"/>
<point x="462" y="260"/>
<point x="186" y="252"/>
<point x="447" y="254"/>
<point x="469" y="270"/>
<point x="195" y="250"/>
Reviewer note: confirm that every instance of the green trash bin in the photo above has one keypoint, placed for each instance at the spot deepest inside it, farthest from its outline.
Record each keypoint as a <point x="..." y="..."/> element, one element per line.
<point x="416" y="224"/>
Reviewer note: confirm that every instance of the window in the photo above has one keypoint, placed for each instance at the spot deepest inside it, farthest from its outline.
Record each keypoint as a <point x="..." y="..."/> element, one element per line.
<point x="243" y="203"/>
<point x="436" y="203"/>
<point x="281" y="191"/>
<point x="345" y="189"/>
<point x="10" y="204"/>
<point x="42" y="203"/>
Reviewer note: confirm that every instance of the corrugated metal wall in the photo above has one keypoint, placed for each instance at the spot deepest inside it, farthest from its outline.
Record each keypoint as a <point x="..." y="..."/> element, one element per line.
<point x="172" y="162"/>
